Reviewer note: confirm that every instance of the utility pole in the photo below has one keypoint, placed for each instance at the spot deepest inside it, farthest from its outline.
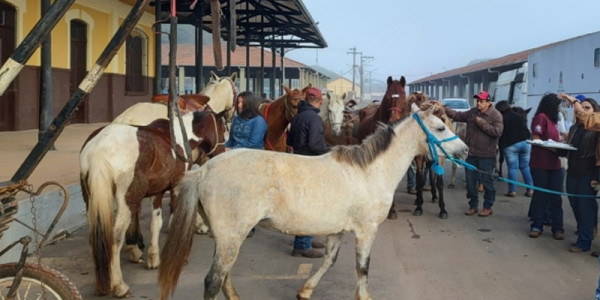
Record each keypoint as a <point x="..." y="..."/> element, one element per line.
<point x="361" y="72"/>
<point x="354" y="53"/>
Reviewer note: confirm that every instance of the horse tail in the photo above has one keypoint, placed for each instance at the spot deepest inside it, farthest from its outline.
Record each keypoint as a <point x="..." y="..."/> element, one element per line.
<point x="99" y="189"/>
<point x="178" y="246"/>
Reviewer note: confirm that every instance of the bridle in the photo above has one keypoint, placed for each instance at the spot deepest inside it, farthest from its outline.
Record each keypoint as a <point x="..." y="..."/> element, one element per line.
<point x="395" y="111"/>
<point x="288" y="110"/>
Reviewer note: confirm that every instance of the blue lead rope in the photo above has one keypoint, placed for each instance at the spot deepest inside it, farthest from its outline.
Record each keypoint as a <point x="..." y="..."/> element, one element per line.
<point x="432" y="142"/>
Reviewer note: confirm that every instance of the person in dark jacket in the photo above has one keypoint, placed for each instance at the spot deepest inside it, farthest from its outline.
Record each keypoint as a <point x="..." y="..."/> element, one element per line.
<point x="513" y="143"/>
<point x="307" y="137"/>
<point x="484" y="128"/>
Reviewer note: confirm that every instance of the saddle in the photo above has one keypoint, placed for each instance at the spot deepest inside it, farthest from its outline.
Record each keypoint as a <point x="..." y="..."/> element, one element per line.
<point x="187" y="103"/>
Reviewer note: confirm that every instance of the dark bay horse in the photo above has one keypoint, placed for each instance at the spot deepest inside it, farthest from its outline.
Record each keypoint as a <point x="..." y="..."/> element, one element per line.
<point x="123" y="164"/>
<point x="392" y="105"/>
<point x="278" y="114"/>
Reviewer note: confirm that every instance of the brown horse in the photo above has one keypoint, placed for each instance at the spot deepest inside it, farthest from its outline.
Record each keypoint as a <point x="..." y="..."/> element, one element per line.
<point x="278" y="114"/>
<point x="392" y="106"/>
<point x="123" y="164"/>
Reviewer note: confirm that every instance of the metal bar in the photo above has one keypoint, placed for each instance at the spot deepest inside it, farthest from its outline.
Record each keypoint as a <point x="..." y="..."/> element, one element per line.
<point x="45" y="80"/>
<point x="14" y="64"/>
<point x="157" y="49"/>
<point x="87" y="84"/>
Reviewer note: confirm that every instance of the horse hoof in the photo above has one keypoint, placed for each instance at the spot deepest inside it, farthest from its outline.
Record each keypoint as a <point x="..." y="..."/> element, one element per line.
<point x="443" y="215"/>
<point x="392" y="215"/>
<point x="451" y="186"/>
<point x="417" y="212"/>
<point x="122" y="291"/>
<point x="203" y="229"/>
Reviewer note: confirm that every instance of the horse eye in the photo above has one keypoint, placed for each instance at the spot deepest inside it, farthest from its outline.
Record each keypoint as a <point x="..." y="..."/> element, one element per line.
<point x="441" y="128"/>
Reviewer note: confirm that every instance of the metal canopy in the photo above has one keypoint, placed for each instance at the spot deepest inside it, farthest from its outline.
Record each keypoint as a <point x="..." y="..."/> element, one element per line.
<point x="270" y="23"/>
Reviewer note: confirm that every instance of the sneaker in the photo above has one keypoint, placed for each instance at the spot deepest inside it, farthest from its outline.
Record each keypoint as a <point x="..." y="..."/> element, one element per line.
<point x="426" y="188"/>
<point x="535" y="233"/>
<point x="559" y="235"/>
<point x="486" y="212"/>
<point x="595" y="253"/>
<point x="310" y="253"/>
<point x="471" y="211"/>
<point x="529" y="193"/>
<point x="412" y="191"/>
<point x="511" y="194"/>
<point x="318" y="245"/>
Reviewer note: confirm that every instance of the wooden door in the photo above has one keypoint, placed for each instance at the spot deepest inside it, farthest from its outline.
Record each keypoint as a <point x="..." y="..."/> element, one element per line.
<point x="78" y="65"/>
<point x="7" y="47"/>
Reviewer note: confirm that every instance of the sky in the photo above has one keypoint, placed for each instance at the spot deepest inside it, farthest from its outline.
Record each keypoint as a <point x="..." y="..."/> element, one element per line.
<point x="420" y="38"/>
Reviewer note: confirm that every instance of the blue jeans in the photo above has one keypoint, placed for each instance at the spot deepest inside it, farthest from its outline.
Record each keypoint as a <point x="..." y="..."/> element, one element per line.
<point x="303" y="242"/>
<point x="486" y="165"/>
<point x="585" y="209"/>
<point x="551" y="180"/>
<point x="517" y="158"/>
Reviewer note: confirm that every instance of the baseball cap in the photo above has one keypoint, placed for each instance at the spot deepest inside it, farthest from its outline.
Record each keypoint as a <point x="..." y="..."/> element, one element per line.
<point x="483" y="95"/>
<point x="315" y="92"/>
<point x="580" y="97"/>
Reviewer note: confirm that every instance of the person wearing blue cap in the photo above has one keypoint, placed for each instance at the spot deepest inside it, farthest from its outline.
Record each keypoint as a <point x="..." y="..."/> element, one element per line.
<point x="580" y="97"/>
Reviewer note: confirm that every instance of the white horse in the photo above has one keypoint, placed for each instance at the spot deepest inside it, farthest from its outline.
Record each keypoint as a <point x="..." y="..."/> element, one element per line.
<point x="332" y="111"/>
<point x="221" y="90"/>
<point x="289" y="193"/>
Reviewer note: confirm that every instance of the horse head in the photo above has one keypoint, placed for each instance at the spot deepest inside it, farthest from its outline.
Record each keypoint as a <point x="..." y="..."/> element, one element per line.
<point x="210" y="127"/>
<point x="394" y="99"/>
<point x="292" y="98"/>
<point x="335" y="113"/>
<point x="222" y="92"/>
<point x="439" y="134"/>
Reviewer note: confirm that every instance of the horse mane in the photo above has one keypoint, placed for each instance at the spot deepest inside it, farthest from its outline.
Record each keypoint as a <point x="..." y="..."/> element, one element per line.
<point x="365" y="153"/>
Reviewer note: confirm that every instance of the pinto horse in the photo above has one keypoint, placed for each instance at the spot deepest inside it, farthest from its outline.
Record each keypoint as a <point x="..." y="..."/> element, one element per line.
<point x="364" y="178"/>
<point x="278" y="114"/>
<point x="123" y="164"/>
<point x="221" y="92"/>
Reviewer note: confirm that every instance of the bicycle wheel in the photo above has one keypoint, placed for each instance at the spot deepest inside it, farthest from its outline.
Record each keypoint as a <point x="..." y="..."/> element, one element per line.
<point x="38" y="282"/>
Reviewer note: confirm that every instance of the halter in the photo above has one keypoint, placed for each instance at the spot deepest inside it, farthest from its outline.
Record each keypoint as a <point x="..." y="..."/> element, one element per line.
<point x="217" y="144"/>
<point x="394" y="107"/>
<point x="432" y="142"/>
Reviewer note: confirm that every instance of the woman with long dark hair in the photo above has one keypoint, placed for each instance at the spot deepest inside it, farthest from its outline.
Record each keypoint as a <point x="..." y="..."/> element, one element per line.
<point x="546" y="170"/>
<point x="582" y="173"/>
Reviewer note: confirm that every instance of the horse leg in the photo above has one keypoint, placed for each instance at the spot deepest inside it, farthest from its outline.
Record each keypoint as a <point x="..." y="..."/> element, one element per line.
<point x="420" y="178"/>
<point x="364" y="241"/>
<point x="432" y="181"/>
<point x="153" y="260"/>
<point x="122" y="221"/>
<point x="452" y="177"/>
<point x="333" y="247"/>
<point x="226" y="252"/>
<point x="134" y="241"/>
<point x="201" y="227"/>
<point x="439" y="183"/>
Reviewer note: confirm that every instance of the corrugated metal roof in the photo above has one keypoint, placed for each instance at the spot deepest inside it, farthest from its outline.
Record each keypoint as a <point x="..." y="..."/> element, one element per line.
<point x="510" y="59"/>
<point x="274" y="23"/>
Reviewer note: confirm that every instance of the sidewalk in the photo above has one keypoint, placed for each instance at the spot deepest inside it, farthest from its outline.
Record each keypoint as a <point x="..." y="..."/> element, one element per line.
<point x="61" y="165"/>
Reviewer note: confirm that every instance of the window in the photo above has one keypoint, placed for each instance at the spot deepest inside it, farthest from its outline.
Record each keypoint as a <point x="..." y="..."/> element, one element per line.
<point x="135" y="59"/>
<point x="597" y="57"/>
<point x="534" y="69"/>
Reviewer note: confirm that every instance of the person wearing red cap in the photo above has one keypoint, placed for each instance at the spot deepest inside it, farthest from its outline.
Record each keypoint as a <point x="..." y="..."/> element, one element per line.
<point x="484" y="128"/>
<point x="307" y="137"/>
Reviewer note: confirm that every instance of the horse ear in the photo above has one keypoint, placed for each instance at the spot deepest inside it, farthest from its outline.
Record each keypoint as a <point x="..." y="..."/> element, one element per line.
<point x="286" y="89"/>
<point x="527" y="110"/>
<point x="402" y="81"/>
<point x="414" y="108"/>
<point x="344" y="96"/>
<point x="233" y="76"/>
<point x="213" y="76"/>
<point x="390" y="80"/>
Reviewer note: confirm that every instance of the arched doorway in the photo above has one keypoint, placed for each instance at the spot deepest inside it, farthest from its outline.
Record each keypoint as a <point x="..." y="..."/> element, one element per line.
<point x="78" y="65"/>
<point x="7" y="47"/>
